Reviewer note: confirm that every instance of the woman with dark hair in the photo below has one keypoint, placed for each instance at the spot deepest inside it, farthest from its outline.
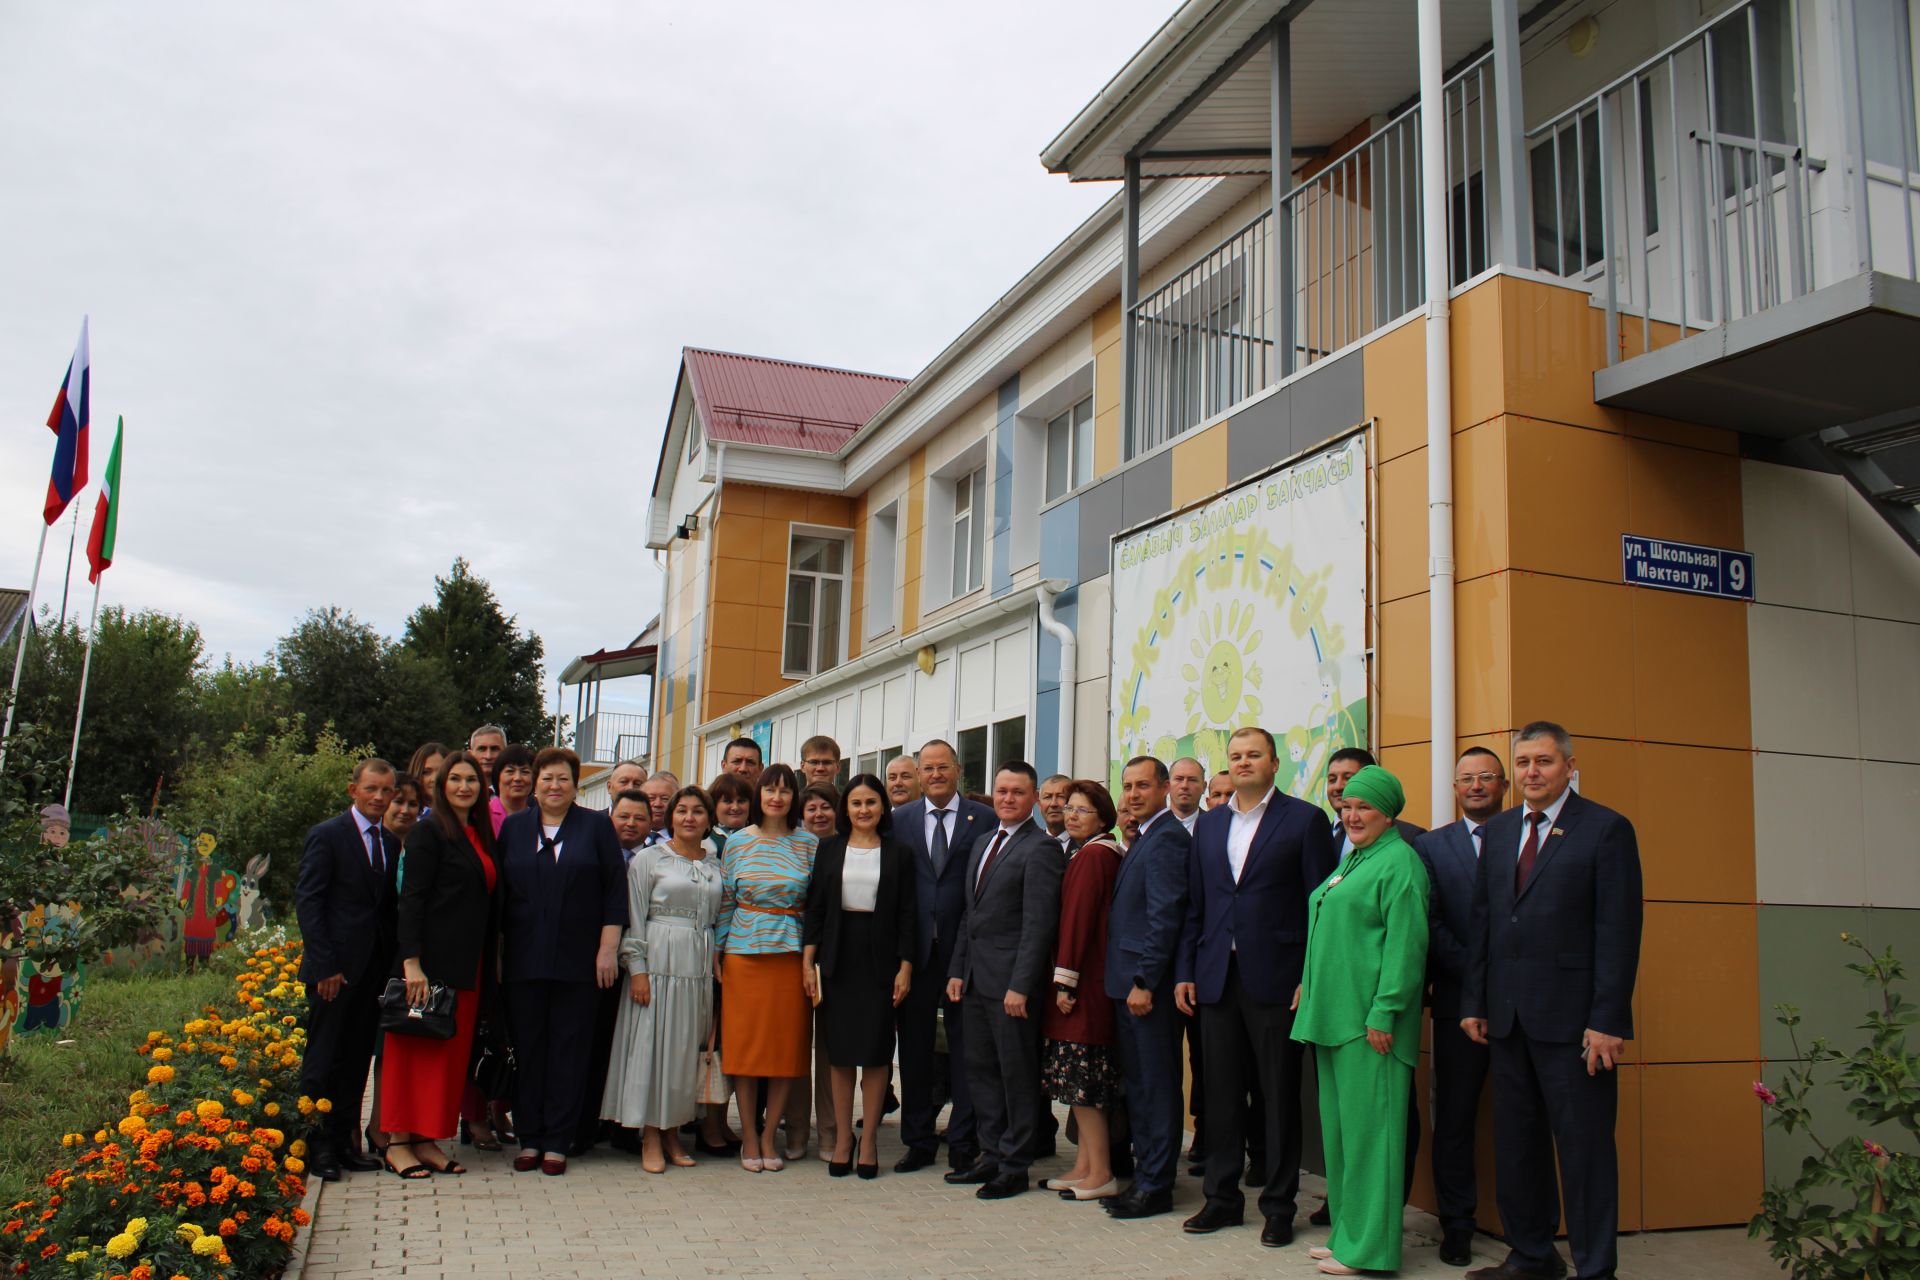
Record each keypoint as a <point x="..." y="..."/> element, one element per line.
<point x="425" y="765"/>
<point x="764" y="875"/>
<point x="858" y="962"/>
<point x="512" y="782"/>
<point x="1080" y="1069"/>
<point x="563" y="900"/>
<point x="446" y="918"/>
<point x="820" y="810"/>
<point x="732" y="803"/>
<point x="673" y="898"/>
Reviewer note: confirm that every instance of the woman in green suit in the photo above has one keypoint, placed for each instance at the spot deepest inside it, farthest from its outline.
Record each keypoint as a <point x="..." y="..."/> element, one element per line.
<point x="1359" y="1007"/>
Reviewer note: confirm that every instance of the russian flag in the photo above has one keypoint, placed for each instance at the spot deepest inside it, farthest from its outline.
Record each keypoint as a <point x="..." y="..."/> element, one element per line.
<point x="68" y="421"/>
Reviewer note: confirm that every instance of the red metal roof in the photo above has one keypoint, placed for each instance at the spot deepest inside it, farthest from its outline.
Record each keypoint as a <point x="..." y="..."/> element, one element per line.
<point x="754" y="400"/>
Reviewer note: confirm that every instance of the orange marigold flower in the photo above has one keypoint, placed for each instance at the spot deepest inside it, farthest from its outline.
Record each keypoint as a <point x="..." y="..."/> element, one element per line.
<point x="228" y="1226"/>
<point x="159" y="1074"/>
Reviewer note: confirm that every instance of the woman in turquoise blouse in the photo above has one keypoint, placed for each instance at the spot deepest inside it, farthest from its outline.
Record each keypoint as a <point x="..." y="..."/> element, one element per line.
<point x="1359" y="1007"/>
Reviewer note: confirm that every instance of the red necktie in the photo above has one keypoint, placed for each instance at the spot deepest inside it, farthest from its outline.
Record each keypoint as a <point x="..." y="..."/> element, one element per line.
<point x="1529" y="853"/>
<point x="986" y="864"/>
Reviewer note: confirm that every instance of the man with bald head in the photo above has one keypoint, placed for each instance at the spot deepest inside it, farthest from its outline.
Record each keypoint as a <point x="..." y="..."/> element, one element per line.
<point x="903" y="781"/>
<point x="1186" y="782"/>
<point x="628" y="775"/>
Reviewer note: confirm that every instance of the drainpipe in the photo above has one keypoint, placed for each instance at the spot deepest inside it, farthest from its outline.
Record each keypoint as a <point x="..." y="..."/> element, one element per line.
<point x="1440" y="568"/>
<point x="1069" y="669"/>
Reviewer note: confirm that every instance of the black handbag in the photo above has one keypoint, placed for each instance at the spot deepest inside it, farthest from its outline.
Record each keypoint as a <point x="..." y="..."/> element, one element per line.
<point x="433" y="1020"/>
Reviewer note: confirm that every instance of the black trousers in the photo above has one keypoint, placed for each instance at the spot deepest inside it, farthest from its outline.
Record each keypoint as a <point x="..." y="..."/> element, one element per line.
<point x="605" y="1013"/>
<point x="1247" y="1044"/>
<point x="552" y="1035"/>
<point x="1256" y="1126"/>
<point x="1003" y="1078"/>
<point x="1459" y="1075"/>
<point x="918" y="1022"/>
<point x="1546" y="1102"/>
<point x="1149" y="1051"/>
<point x="340" y="1038"/>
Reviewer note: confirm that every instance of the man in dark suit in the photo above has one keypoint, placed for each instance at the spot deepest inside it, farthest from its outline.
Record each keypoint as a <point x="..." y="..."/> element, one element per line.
<point x="1001" y="970"/>
<point x="940" y="829"/>
<point x="345" y="899"/>
<point x="1552" y="959"/>
<point x="1143" y="934"/>
<point x="1452" y="855"/>
<point x="1253" y="864"/>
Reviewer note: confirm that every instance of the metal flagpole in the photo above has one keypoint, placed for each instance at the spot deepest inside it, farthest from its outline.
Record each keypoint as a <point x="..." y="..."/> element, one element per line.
<point x="73" y="534"/>
<point x="20" y="654"/>
<point x="80" y="711"/>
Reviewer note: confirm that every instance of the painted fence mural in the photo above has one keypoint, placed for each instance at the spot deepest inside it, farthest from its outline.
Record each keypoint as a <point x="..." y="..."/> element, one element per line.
<point x="1248" y="610"/>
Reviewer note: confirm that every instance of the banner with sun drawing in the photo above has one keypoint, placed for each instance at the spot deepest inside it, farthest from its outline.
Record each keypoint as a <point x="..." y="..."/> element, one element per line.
<point x="1249" y="610"/>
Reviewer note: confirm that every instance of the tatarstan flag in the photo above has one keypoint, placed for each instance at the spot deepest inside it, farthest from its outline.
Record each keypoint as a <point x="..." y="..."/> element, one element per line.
<point x="106" y="514"/>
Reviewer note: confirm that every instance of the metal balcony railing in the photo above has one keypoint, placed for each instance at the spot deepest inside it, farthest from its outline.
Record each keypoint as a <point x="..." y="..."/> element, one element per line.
<point x="606" y="737"/>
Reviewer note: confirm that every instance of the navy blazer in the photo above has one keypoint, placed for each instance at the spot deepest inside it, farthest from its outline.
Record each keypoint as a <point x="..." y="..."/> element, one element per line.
<point x="552" y="911"/>
<point x="1563" y="954"/>
<point x="1453" y="868"/>
<point x="940" y="900"/>
<point x="346" y="911"/>
<point x="1264" y="916"/>
<point x="1149" y="910"/>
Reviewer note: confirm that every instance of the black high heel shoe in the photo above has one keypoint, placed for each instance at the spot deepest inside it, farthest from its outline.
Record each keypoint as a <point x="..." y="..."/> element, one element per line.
<point x="840" y="1168"/>
<point x="868" y="1171"/>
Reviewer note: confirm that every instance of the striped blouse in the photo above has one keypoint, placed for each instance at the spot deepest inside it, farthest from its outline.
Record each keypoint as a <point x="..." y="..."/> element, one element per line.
<point x="764" y="891"/>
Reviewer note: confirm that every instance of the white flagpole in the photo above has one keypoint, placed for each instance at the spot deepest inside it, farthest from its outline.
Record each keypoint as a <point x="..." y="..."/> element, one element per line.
<point x="80" y="711"/>
<point x="20" y="654"/>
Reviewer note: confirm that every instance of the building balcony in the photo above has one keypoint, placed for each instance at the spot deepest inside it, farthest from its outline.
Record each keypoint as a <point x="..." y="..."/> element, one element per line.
<point x="608" y="737"/>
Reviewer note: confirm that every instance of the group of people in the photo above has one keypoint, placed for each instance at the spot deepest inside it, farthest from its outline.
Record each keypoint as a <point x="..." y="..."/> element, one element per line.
<point x="616" y="973"/>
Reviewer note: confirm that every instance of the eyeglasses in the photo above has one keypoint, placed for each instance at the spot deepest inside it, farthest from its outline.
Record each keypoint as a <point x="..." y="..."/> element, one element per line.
<point x="1081" y="811"/>
<point x="1468" y="779"/>
<point x="821" y="762"/>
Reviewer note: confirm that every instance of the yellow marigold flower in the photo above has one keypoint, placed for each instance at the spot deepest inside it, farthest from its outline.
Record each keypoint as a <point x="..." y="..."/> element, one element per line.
<point x="241" y="1098"/>
<point x="209" y="1110"/>
<point x="323" y="1105"/>
<point x="78" y="1255"/>
<point x="131" y="1126"/>
<point x="294" y="1164"/>
<point x="228" y="1061"/>
<point x="155" y="1037"/>
<point x="99" y="1135"/>
<point x="137" y="1227"/>
<point x="188" y="1232"/>
<point x="161" y="1055"/>
<point x="298" y="1147"/>
<point x="272" y="1108"/>
<point x="160" y="1074"/>
<point x="137" y="1097"/>
<point x="305" y="1105"/>
<point x="123" y="1245"/>
<point x="206" y="1246"/>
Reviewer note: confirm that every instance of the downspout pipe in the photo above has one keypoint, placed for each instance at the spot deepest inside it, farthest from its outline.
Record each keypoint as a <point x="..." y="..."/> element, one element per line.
<point x="1440" y="566"/>
<point x="1047" y="593"/>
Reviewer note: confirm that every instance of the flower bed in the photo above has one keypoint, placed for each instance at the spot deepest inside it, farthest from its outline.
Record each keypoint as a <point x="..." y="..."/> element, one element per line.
<point x="199" y="1177"/>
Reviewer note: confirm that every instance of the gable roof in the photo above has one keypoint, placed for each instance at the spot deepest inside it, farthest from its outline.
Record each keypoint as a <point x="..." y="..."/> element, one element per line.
<point x="755" y="400"/>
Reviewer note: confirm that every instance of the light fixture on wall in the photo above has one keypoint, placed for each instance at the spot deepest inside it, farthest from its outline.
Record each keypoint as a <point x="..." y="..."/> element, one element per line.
<point x="924" y="659"/>
<point x="1583" y="35"/>
<point x="689" y="526"/>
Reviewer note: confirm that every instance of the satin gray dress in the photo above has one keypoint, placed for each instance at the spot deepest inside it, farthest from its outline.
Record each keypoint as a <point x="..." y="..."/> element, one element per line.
<point x="653" y="1075"/>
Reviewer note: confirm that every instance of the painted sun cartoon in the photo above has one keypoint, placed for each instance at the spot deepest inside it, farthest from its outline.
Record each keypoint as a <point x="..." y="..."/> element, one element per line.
<point x="1224" y="673"/>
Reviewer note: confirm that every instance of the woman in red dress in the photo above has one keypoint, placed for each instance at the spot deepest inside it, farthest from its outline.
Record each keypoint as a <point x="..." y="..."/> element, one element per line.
<point x="447" y="921"/>
<point x="1079" y="1068"/>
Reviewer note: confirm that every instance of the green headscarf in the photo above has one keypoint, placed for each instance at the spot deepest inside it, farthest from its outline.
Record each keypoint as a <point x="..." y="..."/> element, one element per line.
<point x="1378" y="788"/>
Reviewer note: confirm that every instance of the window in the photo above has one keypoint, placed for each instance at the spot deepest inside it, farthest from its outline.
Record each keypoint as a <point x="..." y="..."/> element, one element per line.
<point x="1070" y="450"/>
<point x="969" y="493"/>
<point x="883" y="541"/>
<point x="816" y="602"/>
<point x="973" y="760"/>
<point x="1884" y="36"/>
<point x="693" y="436"/>
<point x="1009" y="740"/>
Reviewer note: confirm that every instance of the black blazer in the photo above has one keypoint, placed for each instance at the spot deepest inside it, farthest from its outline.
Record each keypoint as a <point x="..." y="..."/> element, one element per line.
<point x="942" y="895"/>
<point x="551" y="912"/>
<point x="446" y="915"/>
<point x="1013" y="917"/>
<point x="1453" y="868"/>
<point x="1563" y="954"/>
<point x="346" y="911"/>
<point x="895" y="910"/>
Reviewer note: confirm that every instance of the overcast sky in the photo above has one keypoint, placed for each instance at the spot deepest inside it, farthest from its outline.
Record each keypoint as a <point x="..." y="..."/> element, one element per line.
<point x="380" y="285"/>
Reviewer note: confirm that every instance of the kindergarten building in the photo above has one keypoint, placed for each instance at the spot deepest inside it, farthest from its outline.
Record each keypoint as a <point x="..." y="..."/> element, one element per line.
<point x="1420" y="379"/>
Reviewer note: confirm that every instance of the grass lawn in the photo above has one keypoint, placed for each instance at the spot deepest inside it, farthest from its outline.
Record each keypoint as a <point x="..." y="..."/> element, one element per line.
<point x="48" y="1089"/>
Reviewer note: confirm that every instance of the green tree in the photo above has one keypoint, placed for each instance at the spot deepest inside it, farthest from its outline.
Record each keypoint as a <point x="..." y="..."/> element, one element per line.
<point x="495" y="667"/>
<point x="238" y="700"/>
<point x="331" y="665"/>
<point x="262" y="798"/>
<point x="140" y="701"/>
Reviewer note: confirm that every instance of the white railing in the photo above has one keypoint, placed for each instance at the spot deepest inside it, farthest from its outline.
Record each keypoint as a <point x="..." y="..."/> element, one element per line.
<point x="605" y="737"/>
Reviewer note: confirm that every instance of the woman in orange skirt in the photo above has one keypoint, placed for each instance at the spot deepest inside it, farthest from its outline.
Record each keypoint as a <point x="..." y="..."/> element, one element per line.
<point x="446" y="917"/>
<point x="764" y="874"/>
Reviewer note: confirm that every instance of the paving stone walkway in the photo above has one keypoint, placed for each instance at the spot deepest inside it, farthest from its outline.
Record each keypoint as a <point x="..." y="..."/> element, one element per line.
<point x="607" y="1217"/>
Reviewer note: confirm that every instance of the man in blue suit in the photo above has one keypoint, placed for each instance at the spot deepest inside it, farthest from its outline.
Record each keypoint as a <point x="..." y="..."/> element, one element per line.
<point x="1143" y="934"/>
<point x="1253" y="864"/>
<point x="1553" y="954"/>
<point x="1452" y="855"/>
<point x="345" y="899"/>
<point x="941" y="828"/>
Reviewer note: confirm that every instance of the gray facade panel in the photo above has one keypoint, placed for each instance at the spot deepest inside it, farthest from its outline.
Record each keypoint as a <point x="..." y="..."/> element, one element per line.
<point x="1060" y="541"/>
<point x="1147" y="487"/>
<point x="1100" y="519"/>
<point x="1328" y="400"/>
<point x="1259" y="436"/>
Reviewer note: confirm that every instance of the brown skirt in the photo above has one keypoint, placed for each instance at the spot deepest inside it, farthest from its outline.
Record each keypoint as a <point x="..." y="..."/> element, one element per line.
<point x="769" y="1019"/>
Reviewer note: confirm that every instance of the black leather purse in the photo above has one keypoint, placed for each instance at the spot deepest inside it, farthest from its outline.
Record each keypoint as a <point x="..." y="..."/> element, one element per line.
<point x="433" y="1020"/>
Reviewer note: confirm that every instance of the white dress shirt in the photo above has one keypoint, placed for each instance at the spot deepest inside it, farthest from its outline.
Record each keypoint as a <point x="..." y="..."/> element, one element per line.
<point x="1187" y="820"/>
<point x="860" y="879"/>
<point x="952" y="810"/>
<point x="550" y="833"/>
<point x="367" y="824"/>
<point x="1546" y="828"/>
<point x="1241" y="829"/>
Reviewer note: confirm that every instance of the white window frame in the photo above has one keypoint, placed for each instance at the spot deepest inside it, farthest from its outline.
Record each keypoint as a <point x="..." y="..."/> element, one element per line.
<point x="819" y="663"/>
<point x="966" y="557"/>
<point x="1079" y="445"/>
<point x="882" y="597"/>
<point x="693" y="434"/>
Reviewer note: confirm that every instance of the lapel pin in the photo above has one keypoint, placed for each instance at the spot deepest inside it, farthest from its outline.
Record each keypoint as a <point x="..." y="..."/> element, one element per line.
<point x="1556" y="832"/>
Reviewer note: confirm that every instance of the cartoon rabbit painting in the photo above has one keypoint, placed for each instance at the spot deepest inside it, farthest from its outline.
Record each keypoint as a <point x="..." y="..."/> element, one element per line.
<point x="253" y="907"/>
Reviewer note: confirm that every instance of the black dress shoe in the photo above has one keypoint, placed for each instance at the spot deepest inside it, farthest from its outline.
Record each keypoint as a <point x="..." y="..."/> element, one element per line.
<point x="914" y="1160"/>
<point x="355" y="1162"/>
<point x="1511" y="1270"/>
<point x="1320" y="1217"/>
<point x="1136" y="1204"/>
<point x="324" y="1166"/>
<point x="979" y="1171"/>
<point x="1278" y="1233"/>
<point x="1456" y="1247"/>
<point x="1212" y="1217"/>
<point x="1002" y="1186"/>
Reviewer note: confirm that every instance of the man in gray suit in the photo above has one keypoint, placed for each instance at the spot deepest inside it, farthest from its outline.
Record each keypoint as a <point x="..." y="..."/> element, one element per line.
<point x="1002" y="967"/>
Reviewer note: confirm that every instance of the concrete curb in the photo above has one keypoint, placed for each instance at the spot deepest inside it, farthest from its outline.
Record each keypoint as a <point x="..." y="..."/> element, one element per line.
<point x="303" y="1236"/>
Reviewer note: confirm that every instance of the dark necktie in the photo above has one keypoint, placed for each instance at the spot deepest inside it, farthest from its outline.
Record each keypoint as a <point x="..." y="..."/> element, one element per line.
<point x="1529" y="853"/>
<point x="376" y="857"/>
<point x="986" y="863"/>
<point x="1476" y="833"/>
<point x="939" y="850"/>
